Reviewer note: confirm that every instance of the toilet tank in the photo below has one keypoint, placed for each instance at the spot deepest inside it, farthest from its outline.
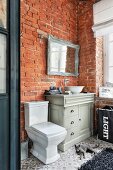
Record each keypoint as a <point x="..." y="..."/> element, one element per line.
<point x="35" y="112"/>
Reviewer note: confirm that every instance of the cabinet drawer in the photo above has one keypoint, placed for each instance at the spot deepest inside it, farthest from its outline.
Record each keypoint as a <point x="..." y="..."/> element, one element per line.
<point x="71" y="111"/>
<point x="70" y="122"/>
<point x="72" y="134"/>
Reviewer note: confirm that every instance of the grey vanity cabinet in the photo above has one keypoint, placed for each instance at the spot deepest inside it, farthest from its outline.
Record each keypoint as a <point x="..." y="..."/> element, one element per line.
<point x="85" y="119"/>
<point x="75" y="113"/>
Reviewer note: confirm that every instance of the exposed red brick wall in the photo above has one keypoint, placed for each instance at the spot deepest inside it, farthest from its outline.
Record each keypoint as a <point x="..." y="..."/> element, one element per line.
<point x="87" y="43"/>
<point x="91" y="56"/>
<point x="58" y="18"/>
<point x="70" y="20"/>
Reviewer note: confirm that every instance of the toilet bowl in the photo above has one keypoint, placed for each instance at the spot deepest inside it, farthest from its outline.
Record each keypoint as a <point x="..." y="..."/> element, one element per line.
<point x="45" y="135"/>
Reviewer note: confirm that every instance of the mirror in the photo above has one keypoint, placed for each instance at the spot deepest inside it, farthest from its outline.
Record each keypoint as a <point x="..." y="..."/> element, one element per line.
<point x="62" y="57"/>
<point x="3" y="13"/>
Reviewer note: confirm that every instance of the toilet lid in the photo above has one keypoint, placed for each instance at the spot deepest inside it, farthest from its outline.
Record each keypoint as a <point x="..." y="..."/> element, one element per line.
<point x="48" y="128"/>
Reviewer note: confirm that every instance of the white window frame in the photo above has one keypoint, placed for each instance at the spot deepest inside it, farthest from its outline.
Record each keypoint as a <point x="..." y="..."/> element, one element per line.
<point x="106" y="58"/>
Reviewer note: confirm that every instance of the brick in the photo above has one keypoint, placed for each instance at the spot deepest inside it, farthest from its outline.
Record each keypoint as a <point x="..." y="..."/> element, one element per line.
<point x="65" y="20"/>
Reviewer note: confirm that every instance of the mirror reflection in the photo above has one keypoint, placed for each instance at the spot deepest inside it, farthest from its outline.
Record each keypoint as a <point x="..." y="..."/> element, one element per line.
<point x="62" y="57"/>
<point x="2" y="63"/>
<point x="3" y="13"/>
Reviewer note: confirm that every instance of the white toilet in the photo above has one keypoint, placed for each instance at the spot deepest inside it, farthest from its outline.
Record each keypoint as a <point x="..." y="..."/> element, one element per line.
<point x="45" y="135"/>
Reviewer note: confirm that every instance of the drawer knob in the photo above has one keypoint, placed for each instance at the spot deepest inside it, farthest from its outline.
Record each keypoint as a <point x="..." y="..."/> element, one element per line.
<point x="72" y="111"/>
<point x="72" y="122"/>
<point x="79" y="119"/>
<point x="72" y="133"/>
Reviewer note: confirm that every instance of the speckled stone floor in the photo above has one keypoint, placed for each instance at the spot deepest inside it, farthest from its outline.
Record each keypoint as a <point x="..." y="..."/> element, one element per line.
<point x="69" y="160"/>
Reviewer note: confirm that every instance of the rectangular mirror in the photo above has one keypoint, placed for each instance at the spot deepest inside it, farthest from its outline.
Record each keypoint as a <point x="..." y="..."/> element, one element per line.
<point x="62" y="57"/>
<point x="2" y="63"/>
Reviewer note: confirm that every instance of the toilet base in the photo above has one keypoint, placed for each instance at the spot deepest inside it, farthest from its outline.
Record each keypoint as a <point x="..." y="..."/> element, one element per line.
<point x="46" y="155"/>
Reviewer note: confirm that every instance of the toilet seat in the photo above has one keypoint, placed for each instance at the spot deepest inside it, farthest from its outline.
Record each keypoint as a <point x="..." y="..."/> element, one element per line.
<point x="48" y="129"/>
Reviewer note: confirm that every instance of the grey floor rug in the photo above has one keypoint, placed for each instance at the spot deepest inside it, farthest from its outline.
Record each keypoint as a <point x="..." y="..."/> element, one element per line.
<point x="101" y="161"/>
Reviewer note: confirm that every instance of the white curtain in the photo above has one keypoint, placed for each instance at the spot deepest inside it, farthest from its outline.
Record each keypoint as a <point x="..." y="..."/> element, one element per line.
<point x="103" y="17"/>
<point x="103" y="28"/>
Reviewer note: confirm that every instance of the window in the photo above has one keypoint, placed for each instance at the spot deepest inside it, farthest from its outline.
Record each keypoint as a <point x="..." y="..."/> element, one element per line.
<point x="108" y="59"/>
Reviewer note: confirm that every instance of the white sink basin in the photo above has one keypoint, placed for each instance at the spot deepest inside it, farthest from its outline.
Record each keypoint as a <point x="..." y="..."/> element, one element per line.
<point x="74" y="89"/>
